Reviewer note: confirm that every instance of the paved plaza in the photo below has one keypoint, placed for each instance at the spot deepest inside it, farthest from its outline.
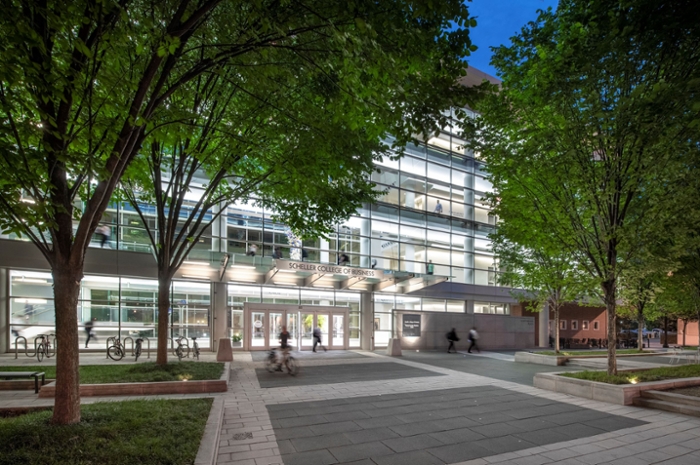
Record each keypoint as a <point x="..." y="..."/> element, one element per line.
<point x="363" y="408"/>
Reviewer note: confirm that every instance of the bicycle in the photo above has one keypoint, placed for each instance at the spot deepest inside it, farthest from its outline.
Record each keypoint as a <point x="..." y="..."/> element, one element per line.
<point x="182" y="350"/>
<point x="195" y="348"/>
<point x="137" y="350"/>
<point x="273" y="363"/>
<point x="44" y="348"/>
<point x="116" y="352"/>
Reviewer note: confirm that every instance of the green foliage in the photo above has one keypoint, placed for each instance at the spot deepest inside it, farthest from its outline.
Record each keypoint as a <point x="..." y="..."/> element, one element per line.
<point x="85" y="85"/>
<point x="136" y="373"/>
<point x="590" y="133"/>
<point x="120" y="433"/>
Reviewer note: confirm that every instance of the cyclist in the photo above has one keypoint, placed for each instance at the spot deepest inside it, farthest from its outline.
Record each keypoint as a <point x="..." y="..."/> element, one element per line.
<point x="284" y="338"/>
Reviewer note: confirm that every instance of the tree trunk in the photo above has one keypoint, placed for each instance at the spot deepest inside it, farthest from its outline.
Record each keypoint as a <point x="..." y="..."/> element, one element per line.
<point x="665" y="344"/>
<point x="611" y="307"/>
<point x="164" y="282"/>
<point x="556" y="330"/>
<point x="640" y="330"/>
<point x="66" y="284"/>
<point x="685" y="325"/>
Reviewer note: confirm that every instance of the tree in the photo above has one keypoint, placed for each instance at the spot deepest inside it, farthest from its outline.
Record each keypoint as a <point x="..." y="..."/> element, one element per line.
<point x="530" y="263"/>
<point x="84" y="83"/>
<point x="301" y="162"/>
<point x="594" y="119"/>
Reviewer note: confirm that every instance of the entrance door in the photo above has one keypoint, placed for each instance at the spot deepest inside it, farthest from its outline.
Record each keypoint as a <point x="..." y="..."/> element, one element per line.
<point x="332" y="326"/>
<point x="264" y="324"/>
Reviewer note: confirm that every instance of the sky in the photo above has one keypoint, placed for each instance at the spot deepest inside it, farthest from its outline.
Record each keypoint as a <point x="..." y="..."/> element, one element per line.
<point x="498" y="21"/>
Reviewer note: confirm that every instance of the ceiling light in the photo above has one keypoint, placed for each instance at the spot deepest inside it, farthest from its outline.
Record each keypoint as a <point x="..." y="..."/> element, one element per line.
<point x="188" y="262"/>
<point x="243" y="267"/>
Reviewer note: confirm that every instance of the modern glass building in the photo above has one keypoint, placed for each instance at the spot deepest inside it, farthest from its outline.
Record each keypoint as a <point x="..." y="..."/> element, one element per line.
<point x="422" y="247"/>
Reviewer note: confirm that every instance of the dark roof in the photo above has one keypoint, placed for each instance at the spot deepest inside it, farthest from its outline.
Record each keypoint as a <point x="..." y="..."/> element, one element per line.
<point x="475" y="77"/>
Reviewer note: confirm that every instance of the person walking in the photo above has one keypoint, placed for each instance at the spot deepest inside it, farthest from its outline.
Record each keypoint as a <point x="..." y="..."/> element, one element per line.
<point x="473" y="337"/>
<point x="284" y="346"/>
<point x="252" y="250"/>
<point x="317" y="339"/>
<point x="452" y="337"/>
<point x="89" y="326"/>
<point x="104" y="231"/>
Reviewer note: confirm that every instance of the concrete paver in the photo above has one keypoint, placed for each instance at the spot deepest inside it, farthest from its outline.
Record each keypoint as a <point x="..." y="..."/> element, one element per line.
<point x="352" y="407"/>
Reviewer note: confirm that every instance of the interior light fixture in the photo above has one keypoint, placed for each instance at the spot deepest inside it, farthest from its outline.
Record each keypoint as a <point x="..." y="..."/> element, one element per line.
<point x="286" y="271"/>
<point x="243" y="267"/>
<point x="196" y="263"/>
<point x="205" y="278"/>
<point x="33" y="280"/>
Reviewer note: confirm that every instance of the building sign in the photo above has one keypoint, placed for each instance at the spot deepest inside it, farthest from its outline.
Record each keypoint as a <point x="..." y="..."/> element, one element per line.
<point x="411" y="325"/>
<point x="321" y="268"/>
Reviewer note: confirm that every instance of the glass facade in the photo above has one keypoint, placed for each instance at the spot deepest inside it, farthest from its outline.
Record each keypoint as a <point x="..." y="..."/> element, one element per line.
<point x="118" y="306"/>
<point x="430" y="218"/>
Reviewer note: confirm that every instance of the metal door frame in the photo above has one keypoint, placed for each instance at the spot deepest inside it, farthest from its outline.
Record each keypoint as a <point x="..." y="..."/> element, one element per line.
<point x="285" y="309"/>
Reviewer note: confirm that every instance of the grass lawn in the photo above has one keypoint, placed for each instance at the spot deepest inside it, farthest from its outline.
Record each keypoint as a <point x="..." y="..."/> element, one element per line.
<point x="571" y="353"/>
<point x="633" y="377"/>
<point x="140" y="432"/>
<point x="136" y="373"/>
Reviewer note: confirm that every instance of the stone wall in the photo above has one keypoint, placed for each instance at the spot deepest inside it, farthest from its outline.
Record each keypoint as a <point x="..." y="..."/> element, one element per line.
<point x="495" y="331"/>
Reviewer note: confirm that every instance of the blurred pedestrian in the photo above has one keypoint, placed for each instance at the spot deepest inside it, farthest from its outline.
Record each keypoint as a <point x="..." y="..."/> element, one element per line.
<point x="473" y="337"/>
<point x="452" y="337"/>
<point x="317" y="339"/>
<point x="89" y="326"/>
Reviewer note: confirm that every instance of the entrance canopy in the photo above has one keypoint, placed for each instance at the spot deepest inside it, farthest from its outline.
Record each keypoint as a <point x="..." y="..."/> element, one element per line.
<point x="266" y="270"/>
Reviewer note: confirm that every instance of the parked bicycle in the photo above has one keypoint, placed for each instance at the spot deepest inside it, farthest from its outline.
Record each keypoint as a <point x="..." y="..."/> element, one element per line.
<point x="195" y="348"/>
<point x="183" y="348"/>
<point x="44" y="347"/>
<point x="137" y="350"/>
<point x="117" y="350"/>
<point x="275" y="362"/>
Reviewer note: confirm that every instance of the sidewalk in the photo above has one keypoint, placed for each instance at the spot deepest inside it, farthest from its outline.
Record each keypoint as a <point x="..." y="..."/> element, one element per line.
<point x="433" y="415"/>
<point x="364" y="408"/>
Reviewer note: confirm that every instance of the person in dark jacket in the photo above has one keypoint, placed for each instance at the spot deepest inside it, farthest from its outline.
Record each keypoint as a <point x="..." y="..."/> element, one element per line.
<point x="452" y="337"/>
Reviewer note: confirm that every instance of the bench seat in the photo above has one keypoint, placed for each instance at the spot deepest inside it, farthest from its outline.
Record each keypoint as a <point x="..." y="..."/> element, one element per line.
<point x="25" y="374"/>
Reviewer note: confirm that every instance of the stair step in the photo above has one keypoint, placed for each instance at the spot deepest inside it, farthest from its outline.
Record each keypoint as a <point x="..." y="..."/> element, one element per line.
<point x="667" y="406"/>
<point x="672" y="397"/>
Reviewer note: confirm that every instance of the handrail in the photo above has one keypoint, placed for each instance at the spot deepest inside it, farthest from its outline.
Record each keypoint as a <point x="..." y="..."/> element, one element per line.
<point x="132" y="344"/>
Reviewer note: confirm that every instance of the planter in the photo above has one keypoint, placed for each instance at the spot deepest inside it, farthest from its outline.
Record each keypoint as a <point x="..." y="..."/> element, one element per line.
<point x="620" y="394"/>
<point x="146" y="389"/>
<point x="530" y="357"/>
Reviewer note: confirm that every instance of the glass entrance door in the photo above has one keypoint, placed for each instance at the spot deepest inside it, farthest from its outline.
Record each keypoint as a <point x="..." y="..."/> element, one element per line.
<point x="264" y="324"/>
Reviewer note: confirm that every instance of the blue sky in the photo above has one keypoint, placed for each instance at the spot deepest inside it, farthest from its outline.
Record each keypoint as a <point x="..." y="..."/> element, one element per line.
<point x="497" y="22"/>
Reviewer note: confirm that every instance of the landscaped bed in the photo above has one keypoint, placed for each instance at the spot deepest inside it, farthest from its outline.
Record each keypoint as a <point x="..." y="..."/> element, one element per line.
<point x="136" y="373"/>
<point x="634" y="377"/>
<point x="140" y="432"/>
<point x="600" y="353"/>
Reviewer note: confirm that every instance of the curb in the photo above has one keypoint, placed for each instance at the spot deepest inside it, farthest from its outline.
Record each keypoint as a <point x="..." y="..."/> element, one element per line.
<point x="209" y="445"/>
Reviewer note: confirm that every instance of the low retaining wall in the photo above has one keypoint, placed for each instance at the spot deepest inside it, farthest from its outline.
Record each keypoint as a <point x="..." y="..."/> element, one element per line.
<point x="620" y="394"/>
<point x="530" y="357"/>
<point x="558" y="360"/>
<point x="19" y="384"/>
<point x="148" y="389"/>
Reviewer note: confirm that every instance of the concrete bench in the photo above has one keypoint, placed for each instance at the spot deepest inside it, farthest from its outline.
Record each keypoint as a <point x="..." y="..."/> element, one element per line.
<point x="25" y="374"/>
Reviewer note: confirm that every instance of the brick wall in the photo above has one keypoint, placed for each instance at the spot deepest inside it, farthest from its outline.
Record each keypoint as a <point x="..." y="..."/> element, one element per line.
<point x="691" y="333"/>
<point x="571" y="312"/>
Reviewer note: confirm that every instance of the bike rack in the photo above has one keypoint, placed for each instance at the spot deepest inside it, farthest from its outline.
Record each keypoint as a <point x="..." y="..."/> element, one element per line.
<point x="132" y="344"/>
<point x="55" y="347"/>
<point x="112" y="338"/>
<point x="26" y="348"/>
<point x="148" y="346"/>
